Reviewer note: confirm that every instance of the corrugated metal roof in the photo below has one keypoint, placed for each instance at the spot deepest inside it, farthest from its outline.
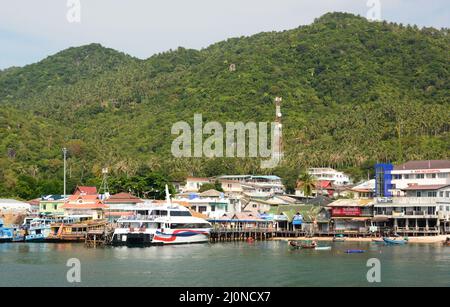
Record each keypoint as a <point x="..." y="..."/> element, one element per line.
<point x="424" y="164"/>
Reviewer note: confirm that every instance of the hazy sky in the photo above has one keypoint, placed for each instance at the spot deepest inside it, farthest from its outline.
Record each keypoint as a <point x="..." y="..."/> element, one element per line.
<point x="30" y="30"/>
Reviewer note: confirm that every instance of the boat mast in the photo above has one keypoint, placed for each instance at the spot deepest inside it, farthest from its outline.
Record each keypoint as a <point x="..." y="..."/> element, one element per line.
<point x="168" y="202"/>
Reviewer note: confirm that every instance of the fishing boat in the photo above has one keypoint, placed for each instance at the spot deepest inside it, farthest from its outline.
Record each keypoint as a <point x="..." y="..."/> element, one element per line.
<point x="6" y="234"/>
<point x="395" y="241"/>
<point x="39" y="230"/>
<point x="339" y="238"/>
<point x="169" y="223"/>
<point x="311" y="245"/>
<point x="74" y="228"/>
<point x="294" y="244"/>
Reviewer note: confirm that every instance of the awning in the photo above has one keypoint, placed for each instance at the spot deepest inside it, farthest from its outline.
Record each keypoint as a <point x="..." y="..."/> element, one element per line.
<point x="380" y="219"/>
<point x="360" y="219"/>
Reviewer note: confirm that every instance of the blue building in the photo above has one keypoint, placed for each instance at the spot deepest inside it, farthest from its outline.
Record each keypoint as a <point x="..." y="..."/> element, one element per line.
<point x="383" y="179"/>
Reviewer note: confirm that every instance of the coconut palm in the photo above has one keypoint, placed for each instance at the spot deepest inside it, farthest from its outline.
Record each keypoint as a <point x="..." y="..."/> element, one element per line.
<point x="307" y="183"/>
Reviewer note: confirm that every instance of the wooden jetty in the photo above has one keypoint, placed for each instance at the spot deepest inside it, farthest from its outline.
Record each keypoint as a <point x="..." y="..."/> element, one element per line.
<point x="261" y="234"/>
<point x="98" y="237"/>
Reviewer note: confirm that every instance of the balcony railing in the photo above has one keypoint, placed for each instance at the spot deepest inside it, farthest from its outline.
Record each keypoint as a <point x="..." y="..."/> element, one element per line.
<point x="412" y="200"/>
<point x="413" y="214"/>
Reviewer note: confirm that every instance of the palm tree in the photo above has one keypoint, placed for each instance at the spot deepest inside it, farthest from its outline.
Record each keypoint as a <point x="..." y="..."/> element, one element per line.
<point x="307" y="183"/>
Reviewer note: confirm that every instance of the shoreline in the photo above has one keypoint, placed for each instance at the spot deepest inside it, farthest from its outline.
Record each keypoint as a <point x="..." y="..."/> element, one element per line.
<point x="416" y="240"/>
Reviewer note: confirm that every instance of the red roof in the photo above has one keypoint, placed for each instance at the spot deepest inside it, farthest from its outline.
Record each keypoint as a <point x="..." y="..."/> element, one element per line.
<point x="123" y="198"/>
<point x="85" y="190"/>
<point x="426" y="164"/>
<point x="84" y="198"/>
<point x="418" y="187"/>
<point x="324" y="184"/>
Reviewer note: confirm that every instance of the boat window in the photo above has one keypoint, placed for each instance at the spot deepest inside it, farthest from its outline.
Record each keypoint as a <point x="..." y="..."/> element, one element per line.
<point x="159" y="212"/>
<point x="149" y="225"/>
<point x="190" y="225"/>
<point x="180" y="213"/>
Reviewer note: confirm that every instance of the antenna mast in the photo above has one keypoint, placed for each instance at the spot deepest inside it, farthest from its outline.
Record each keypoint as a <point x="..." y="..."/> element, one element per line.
<point x="65" y="168"/>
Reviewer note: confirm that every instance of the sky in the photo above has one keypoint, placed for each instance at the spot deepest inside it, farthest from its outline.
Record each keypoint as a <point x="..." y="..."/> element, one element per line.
<point x="32" y="30"/>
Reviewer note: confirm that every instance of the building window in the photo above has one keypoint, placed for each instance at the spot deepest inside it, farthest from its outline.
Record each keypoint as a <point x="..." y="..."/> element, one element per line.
<point x="406" y="176"/>
<point x="397" y="176"/>
<point x="443" y="175"/>
<point x="441" y="194"/>
<point x="44" y="207"/>
<point x="420" y="176"/>
<point x="432" y="194"/>
<point x="419" y="194"/>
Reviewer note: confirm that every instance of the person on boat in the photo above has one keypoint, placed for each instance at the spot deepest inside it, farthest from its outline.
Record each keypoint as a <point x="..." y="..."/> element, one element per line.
<point x="314" y="243"/>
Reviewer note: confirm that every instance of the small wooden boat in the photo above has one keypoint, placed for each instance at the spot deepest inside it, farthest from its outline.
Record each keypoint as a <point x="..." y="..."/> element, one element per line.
<point x="309" y="246"/>
<point x="294" y="244"/>
<point x="303" y="245"/>
<point x="323" y="248"/>
<point x="395" y="241"/>
<point x="355" y="251"/>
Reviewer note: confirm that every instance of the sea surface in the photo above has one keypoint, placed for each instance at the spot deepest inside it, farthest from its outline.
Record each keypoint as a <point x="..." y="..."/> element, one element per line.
<point x="258" y="264"/>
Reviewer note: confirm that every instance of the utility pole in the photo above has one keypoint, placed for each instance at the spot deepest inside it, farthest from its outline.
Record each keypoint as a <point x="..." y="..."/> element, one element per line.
<point x="65" y="167"/>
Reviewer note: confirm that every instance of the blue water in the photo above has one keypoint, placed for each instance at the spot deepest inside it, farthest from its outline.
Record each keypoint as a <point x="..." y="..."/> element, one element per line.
<point x="224" y="264"/>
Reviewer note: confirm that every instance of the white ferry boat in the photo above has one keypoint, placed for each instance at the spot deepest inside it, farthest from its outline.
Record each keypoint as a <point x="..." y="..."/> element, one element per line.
<point x="160" y="225"/>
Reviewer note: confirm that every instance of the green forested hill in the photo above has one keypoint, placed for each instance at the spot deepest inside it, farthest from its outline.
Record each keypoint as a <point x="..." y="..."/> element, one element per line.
<point x="354" y="92"/>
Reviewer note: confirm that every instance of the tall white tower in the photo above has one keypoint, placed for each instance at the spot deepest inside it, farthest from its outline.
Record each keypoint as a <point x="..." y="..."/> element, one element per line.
<point x="278" y="146"/>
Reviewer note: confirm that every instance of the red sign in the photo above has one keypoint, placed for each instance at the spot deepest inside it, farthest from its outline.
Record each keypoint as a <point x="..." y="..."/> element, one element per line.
<point x="346" y="211"/>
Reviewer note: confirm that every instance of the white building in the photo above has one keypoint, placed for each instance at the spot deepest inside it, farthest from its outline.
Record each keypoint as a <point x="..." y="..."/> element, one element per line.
<point x="193" y="184"/>
<point x="419" y="173"/>
<point x="364" y="190"/>
<point x="250" y="183"/>
<point x="329" y="174"/>
<point x="12" y="205"/>
<point x="212" y="203"/>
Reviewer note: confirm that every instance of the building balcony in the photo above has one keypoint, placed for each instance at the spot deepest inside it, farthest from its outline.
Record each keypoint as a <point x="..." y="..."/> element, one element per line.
<point x="411" y="201"/>
<point x="404" y="215"/>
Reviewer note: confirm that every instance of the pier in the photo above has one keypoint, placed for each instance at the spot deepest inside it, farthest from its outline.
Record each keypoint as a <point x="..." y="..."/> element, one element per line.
<point x="98" y="237"/>
<point x="261" y="234"/>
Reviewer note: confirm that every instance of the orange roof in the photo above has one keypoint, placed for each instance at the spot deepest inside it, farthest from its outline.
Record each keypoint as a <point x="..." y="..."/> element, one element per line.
<point x="97" y="205"/>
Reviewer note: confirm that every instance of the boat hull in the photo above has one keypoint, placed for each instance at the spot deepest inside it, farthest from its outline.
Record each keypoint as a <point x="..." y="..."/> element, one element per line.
<point x="35" y="238"/>
<point x="181" y="236"/>
<point x="132" y="239"/>
<point x="394" y="242"/>
<point x="323" y="248"/>
<point x="5" y="240"/>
